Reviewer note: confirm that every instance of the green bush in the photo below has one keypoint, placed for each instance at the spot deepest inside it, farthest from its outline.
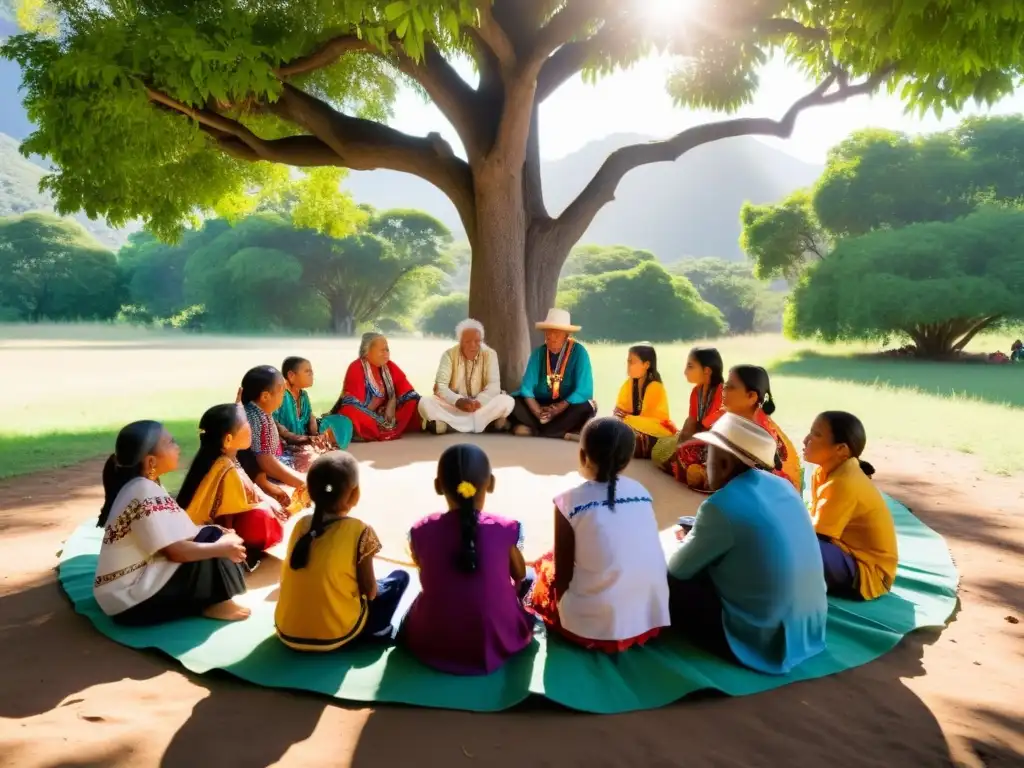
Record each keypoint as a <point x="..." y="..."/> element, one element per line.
<point x="443" y="313"/>
<point x="192" y="318"/>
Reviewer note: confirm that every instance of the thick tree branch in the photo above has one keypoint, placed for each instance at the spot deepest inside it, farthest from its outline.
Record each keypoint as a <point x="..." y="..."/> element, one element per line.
<point x="452" y="95"/>
<point x="495" y="36"/>
<point x="365" y="145"/>
<point x="240" y="142"/>
<point x="601" y="190"/>
<point x="977" y="327"/>
<point x="563" y="26"/>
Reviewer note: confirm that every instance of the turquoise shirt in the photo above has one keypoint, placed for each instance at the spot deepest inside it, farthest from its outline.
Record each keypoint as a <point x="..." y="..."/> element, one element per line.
<point x="757" y="543"/>
<point x="577" y="385"/>
<point x="295" y="422"/>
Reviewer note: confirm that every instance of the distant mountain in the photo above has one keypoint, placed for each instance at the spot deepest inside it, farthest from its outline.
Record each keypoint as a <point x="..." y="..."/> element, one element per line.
<point x="19" y="193"/>
<point x="687" y="208"/>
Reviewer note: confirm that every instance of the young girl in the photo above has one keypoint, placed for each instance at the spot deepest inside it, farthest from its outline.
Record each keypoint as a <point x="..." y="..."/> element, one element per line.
<point x="854" y="526"/>
<point x="217" y="490"/>
<point x="329" y="595"/>
<point x="266" y="463"/>
<point x="704" y="370"/>
<point x="643" y="402"/>
<point x="606" y="585"/>
<point x="155" y="564"/>
<point x="468" y="620"/>
<point x="295" y="420"/>
<point x="747" y="393"/>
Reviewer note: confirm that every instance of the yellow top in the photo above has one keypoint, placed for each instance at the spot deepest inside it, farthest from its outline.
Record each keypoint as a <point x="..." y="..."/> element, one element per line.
<point x="848" y="509"/>
<point x="226" y="490"/>
<point x="320" y="607"/>
<point x="653" y="419"/>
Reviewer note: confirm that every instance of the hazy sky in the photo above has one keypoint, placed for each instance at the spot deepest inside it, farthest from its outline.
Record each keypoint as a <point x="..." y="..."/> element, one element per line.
<point x="635" y="101"/>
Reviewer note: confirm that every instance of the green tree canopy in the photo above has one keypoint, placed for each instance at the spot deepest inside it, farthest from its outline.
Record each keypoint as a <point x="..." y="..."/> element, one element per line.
<point x="937" y="284"/>
<point x="743" y="301"/>
<point x="881" y="179"/>
<point x="643" y="302"/>
<point x="162" y="110"/>
<point x="52" y="269"/>
<point x="442" y="313"/>
<point x="598" y="259"/>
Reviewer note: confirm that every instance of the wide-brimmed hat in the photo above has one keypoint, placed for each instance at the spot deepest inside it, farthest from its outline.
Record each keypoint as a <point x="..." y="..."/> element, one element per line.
<point x="557" y="320"/>
<point x="744" y="439"/>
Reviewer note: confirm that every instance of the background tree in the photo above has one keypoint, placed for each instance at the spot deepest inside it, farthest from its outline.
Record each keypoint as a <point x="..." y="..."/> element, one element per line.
<point x="938" y="284"/>
<point x="615" y="305"/>
<point x="442" y="313"/>
<point x="155" y="110"/>
<point x="598" y="259"/>
<point x="52" y="269"/>
<point x="880" y="179"/>
<point x="746" y="304"/>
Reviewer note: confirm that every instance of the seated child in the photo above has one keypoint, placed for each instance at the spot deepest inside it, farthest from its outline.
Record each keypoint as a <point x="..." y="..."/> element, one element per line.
<point x="216" y="489"/>
<point x="706" y="372"/>
<point x="265" y="461"/>
<point x="468" y="620"/>
<point x="855" y="528"/>
<point x="329" y="595"/>
<point x="643" y="402"/>
<point x="606" y="584"/>
<point x="296" y="423"/>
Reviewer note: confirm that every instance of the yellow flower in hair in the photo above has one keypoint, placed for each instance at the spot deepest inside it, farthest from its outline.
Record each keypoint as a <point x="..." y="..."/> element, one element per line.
<point x="466" y="490"/>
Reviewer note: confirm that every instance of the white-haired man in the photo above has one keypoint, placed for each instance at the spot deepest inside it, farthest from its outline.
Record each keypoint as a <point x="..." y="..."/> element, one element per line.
<point x="467" y="388"/>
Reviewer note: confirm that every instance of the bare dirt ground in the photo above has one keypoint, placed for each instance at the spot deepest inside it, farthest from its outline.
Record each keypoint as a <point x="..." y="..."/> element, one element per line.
<point x="70" y="697"/>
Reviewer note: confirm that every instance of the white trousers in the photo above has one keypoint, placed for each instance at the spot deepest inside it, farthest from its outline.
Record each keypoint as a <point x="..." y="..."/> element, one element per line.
<point x="436" y="409"/>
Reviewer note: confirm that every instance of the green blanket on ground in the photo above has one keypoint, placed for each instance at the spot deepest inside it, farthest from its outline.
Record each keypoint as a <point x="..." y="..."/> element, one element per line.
<point x="665" y="670"/>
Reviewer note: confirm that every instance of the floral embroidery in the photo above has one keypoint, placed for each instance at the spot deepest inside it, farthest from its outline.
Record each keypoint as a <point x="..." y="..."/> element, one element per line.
<point x="369" y="544"/>
<point x="106" y="578"/>
<point x="604" y="503"/>
<point x="136" y="510"/>
<point x="265" y="438"/>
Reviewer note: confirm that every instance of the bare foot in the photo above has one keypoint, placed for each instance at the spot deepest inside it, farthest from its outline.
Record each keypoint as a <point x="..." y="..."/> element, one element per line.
<point x="229" y="610"/>
<point x="522" y="431"/>
<point x="573" y="437"/>
<point x="501" y="425"/>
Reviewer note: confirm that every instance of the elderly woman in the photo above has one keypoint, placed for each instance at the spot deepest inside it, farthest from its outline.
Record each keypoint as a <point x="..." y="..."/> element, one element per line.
<point x="556" y="397"/>
<point x="467" y="388"/>
<point x="376" y="396"/>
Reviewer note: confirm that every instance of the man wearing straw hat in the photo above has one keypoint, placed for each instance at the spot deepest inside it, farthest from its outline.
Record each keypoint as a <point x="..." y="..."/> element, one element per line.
<point x="747" y="581"/>
<point x="556" y="397"/>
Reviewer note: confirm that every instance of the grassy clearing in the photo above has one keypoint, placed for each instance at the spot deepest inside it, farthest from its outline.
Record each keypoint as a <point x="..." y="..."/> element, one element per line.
<point x="70" y="388"/>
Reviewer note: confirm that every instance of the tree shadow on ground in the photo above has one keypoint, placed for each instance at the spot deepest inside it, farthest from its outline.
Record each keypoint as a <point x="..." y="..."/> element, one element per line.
<point x="998" y="384"/>
<point x="700" y="730"/>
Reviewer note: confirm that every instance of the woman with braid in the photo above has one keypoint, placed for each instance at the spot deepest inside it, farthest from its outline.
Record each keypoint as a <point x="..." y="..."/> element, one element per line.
<point x="605" y="586"/>
<point x="469" y="619"/>
<point x="329" y="594"/>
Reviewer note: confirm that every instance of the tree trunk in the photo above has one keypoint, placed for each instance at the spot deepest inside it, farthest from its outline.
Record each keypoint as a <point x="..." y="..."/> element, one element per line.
<point x="497" y="288"/>
<point x="342" y="322"/>
<point x="545" y="255"/>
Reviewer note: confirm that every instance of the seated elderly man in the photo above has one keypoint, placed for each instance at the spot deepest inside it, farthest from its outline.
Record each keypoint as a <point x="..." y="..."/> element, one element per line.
<point x="467" y="388"/>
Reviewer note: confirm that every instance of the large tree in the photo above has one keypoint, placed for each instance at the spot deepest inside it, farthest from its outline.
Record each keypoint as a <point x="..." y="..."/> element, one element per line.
<point x="881" y="179"/>
<point x="156" y="109"/>
<point x="52" y="269"/>
<point x="937" y="284"/>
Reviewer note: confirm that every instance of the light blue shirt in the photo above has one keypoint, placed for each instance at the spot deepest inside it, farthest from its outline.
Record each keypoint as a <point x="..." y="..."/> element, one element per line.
<point x="756" y="541"/>
<point x="577" y="386"/>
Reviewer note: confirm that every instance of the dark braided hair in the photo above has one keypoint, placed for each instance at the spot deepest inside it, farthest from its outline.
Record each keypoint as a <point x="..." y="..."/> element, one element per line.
<point x="262" y="378"/>
<point x="134" y="443"/>
<point x="217" y="423"/>
<point x="465" y="464"/>
<point x="709" y="357"/>
<point x="331" y="479"/>
<point x="755" y="379"/>
<point x="849" y="430"/>
<point x="609" y="444"/>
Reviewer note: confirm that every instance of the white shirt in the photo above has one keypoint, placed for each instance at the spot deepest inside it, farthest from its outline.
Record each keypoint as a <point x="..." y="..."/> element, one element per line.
<point x="486" y="357"/>
<point x="143" y="520"/>
<point x="619" y="586"/>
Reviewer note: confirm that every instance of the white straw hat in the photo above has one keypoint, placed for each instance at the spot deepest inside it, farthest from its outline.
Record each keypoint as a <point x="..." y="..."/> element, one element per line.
<point x="744" y="439"/>
<point x="557" y="320"/>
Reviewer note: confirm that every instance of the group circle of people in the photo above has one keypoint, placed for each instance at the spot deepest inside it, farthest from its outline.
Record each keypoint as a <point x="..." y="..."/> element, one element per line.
<point x="748" y="579"/>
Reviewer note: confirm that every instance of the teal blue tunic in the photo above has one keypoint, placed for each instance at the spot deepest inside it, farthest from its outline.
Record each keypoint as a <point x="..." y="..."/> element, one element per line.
<point x="577" y="385"/>
<point x="755" y="540"/>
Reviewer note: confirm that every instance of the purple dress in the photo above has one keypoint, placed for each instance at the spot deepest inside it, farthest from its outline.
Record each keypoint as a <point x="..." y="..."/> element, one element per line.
<point x="465" y="623"/>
